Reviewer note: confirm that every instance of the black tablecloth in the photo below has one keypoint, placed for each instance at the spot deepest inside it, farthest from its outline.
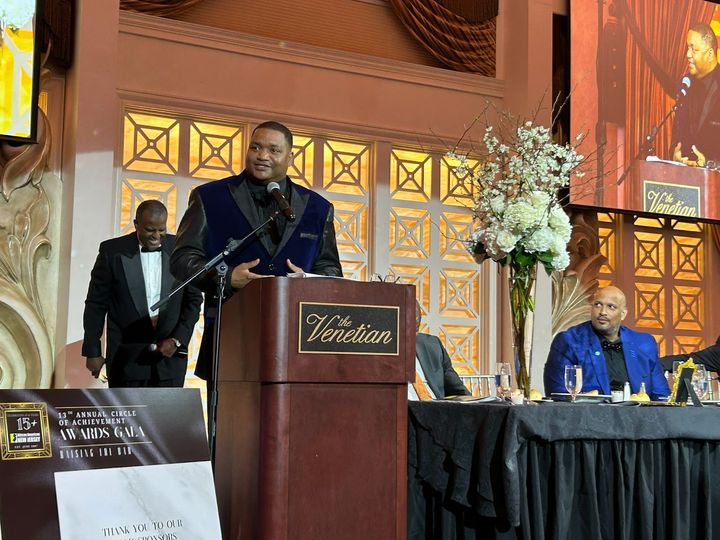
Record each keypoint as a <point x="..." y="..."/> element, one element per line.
<point x="478" y="470"/>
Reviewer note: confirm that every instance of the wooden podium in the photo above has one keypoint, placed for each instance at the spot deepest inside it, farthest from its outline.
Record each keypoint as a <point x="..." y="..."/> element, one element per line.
<point x="666" y="188"/>
<point x="312" y="410"/>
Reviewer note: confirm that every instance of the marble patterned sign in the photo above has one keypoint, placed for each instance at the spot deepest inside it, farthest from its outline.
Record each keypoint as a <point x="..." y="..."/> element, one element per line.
<point x="160" y="502"/>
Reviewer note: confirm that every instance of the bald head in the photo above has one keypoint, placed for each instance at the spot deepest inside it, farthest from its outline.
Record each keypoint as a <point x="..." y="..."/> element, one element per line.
<point x="607" y="311"/>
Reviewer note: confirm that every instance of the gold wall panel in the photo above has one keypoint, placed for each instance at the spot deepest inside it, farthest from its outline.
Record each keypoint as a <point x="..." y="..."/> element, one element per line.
<point x="687" y="344"/>
<point x="351" y="227"/>
<point x="689" y="226"/>
<point x="649" y="254"/>
<point x="354" y="269"/>
<point x="462" y="343"/>
<point x="346" y="167"/>
<point x="133" y="191"/>
<point x="301" y="167"/>
<point x="688" y="311"/>
<point x="454" y="228"/>
<point x="456" y="190"/>
<point x="458" y="293"/>
<point x="215" y="150"/>
<point x="410" y="175"/>
<point x="649" y="305"/>
<point x="151" y="143"/>
<point x="418" y="275"/>
<point x="687" y="258"/>
<point x="409" y="232"/>
<point x="607" y="232"/>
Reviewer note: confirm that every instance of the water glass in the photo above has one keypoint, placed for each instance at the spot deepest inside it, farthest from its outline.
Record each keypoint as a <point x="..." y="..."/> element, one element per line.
<point x="503" y="379"/>
<point x="700" y="381"/>
<point x="573" y="380"/>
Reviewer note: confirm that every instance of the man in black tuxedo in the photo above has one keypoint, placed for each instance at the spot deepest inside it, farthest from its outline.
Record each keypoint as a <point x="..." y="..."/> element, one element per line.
<point x="436" y="365"/>
<point x="131" y="273"/>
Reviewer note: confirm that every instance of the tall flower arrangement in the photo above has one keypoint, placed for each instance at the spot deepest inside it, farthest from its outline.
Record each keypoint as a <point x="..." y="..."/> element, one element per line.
<point x="518" y="220"/>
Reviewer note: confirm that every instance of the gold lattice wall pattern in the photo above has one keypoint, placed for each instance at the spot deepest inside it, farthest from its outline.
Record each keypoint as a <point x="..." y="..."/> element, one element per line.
<point x="665" y="280"/>
<point x="428" y="218"/>
<point x="164" y="156"/>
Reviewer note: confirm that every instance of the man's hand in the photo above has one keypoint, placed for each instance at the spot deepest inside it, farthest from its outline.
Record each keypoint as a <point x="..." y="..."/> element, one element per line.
<point x="699" y="160"/>
<point x="292" y="267"/>
<point x="677" y="153"/>
<point x="167" y="347"/>
<point x="241" y="274"/>
<point x="94" y="364"/>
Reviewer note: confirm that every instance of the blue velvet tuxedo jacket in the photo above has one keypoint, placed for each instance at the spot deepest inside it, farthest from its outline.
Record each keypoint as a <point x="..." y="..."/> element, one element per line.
<point x="580" y="345"/>
<point x="224" y="210"/>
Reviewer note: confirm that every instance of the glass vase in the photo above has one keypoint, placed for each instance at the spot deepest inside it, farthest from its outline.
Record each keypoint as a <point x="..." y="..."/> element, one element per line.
<point x="522" y="281"/>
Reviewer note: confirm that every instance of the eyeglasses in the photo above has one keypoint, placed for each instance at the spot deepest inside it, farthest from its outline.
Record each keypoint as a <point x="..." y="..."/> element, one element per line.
<point x="389" y="278"/>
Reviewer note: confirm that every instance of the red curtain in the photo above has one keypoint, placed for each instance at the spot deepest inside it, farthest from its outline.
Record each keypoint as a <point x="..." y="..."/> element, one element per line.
<point x="655" y="63"/>
<point x="461" y="34"/>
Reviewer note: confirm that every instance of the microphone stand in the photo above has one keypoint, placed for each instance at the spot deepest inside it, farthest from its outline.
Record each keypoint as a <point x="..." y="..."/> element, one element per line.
<point x="649" y="139"/>
<point x="217" y="262"/>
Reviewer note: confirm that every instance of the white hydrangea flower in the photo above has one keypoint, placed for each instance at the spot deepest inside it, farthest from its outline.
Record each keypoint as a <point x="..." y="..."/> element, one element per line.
<point x="561" y="261"/>
<point x="516" y="179"/>
<point x="506" y="240"/>
<point x="540" y="241"/>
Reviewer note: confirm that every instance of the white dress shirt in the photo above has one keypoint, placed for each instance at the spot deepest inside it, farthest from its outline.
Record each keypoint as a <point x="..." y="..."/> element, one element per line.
<point x="412" y="394"/>
<point x="152" y="274"/>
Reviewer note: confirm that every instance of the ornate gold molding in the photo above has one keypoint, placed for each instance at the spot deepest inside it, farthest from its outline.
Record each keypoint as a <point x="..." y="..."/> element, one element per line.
<point x="573" y="288"/>
<point x="26" y="360"/>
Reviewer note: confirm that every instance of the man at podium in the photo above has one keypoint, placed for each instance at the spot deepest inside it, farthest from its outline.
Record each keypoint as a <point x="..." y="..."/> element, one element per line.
<point x="288" y="228"/>
<point x="696" y="131"/>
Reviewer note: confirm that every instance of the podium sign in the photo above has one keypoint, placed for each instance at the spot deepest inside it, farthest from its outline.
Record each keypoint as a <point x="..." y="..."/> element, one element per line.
<point x="43" y="432"/>
<point x="349" y="329"/>
<point x="673" y="190"/>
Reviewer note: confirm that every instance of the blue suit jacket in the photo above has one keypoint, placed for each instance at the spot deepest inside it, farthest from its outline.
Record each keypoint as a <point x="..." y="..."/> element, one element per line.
<point x="580" y="345"/>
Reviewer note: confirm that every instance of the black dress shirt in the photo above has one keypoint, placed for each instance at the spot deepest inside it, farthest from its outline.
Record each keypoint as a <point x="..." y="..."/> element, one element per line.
<point x="615" y="362"/>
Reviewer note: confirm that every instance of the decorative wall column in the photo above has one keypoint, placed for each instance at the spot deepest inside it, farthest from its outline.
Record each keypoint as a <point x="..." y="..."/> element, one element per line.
<point x="525" y="64"/>
<point x="90" y="131"/>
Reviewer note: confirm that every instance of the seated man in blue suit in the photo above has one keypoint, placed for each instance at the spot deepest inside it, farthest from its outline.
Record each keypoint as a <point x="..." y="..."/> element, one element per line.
<point x="434" y="367"/>
<point x="610" y="354"/>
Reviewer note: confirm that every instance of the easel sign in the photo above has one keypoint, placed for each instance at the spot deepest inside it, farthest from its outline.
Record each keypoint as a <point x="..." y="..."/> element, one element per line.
<point x="682" y="385"/>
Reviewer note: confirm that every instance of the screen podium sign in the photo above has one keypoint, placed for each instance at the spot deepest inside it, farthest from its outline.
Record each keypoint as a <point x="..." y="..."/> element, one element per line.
<point x="44" y="432"/>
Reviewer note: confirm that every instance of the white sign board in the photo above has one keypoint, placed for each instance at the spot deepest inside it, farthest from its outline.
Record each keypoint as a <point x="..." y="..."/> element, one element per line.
<point x="174" y="501"/>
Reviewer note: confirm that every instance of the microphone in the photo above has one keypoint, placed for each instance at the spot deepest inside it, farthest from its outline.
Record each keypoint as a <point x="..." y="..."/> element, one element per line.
<point x="273" y="188"/>
<point x="152" y="347"/>
<point x="684" y="87"/>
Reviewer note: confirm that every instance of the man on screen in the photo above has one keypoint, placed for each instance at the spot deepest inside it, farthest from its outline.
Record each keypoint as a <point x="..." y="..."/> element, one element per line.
<point x="696" y="131"/>
<point x="609" y="353"/>
<point x="234" y="207"/>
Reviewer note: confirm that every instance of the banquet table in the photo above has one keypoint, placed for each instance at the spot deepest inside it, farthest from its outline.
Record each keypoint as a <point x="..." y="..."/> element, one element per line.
<point x="563" y="470"/>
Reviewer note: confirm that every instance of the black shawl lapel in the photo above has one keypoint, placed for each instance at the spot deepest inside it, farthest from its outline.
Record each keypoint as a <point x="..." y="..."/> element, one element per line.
<point x="130" y="258"/>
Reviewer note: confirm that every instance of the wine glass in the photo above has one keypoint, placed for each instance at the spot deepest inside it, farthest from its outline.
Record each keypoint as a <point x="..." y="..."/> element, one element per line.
<point x="573" y="380"/>
<point x="503" y="378"/>
<point x="700" y="381"/>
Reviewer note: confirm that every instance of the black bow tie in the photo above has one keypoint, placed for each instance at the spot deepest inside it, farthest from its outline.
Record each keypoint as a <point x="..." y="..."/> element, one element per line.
<point x="607" y="346"/>
<point x="144" y="249"/>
